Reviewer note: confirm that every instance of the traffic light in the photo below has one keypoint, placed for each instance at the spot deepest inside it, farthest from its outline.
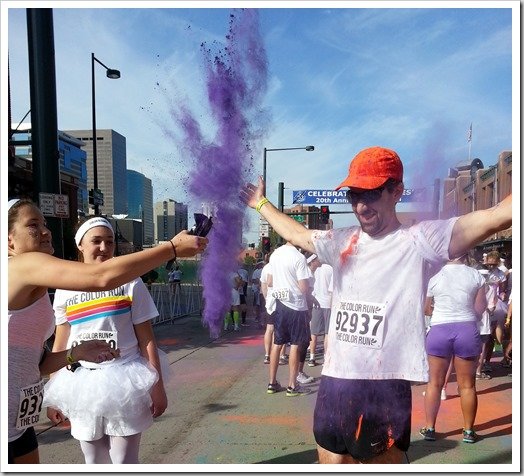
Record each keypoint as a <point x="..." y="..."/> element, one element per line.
<point x="91" y="197"/>
<point x="324" y="214"/>
<point x="266" y="244"/>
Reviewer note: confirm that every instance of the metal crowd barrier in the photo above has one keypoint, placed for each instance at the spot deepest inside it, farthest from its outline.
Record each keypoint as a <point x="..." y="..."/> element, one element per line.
<point x="183" y="300"/>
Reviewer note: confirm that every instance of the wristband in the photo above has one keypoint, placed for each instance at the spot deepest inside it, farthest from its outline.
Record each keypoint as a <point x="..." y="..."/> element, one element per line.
<point x="69" y="356"/>
<point x="260" y="204"/>
<point x="174" y="249"/>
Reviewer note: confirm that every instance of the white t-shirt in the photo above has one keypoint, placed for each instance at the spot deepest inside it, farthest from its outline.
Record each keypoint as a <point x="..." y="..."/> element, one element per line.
<point x="245" y="277"/>
<point x="235" y="293"/>
<point x="288" y="267"/>
<point x="270" y="300"/>
<point x="255" y="286"/>
<point x="494" y="278"/>
<point x="377" y="328"/>
<point x="106" y="315"/>
<point x="454" y="289"/>
<point x="323" y="288"/>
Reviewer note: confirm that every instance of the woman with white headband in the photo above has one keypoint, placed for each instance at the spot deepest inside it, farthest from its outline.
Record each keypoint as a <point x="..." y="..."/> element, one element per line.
<point x="110" y="408"/>
<point x="31" y="271"/>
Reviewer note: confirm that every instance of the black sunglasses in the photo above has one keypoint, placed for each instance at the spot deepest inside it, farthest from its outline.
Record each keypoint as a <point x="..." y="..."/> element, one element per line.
<point x="367" y="196"/>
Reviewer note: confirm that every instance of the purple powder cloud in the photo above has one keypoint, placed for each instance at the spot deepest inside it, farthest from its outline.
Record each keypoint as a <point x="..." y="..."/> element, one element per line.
<point x="236" y="81"/>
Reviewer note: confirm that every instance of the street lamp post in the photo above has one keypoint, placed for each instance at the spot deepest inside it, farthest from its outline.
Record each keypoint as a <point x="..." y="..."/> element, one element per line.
<point x="308" y="148"/>
<point x="111" y="74"/>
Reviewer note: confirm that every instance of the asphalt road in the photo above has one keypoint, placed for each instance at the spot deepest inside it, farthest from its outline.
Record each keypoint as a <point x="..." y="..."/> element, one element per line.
<point x="219" y="412"/>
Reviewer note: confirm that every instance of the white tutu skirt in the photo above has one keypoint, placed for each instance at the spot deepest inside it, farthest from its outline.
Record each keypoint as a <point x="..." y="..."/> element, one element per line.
<point x="111" y="391"/>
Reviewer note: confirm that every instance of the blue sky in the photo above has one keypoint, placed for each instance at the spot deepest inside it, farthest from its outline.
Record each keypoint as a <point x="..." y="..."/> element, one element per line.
<point x="341" y="79"/>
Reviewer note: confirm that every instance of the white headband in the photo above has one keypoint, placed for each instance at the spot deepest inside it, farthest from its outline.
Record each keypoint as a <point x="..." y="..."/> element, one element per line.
<point x="12" y="202"/>
<point x="91" y="223"/>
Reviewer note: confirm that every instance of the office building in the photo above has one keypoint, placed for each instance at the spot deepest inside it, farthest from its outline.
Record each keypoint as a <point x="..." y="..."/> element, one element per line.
<point x="170" y="218"/>
<point x="140" y="203"/>
<point x="111" y="164"/>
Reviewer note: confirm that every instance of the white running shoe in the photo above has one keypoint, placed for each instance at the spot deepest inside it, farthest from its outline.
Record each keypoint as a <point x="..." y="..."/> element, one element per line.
<point x="304" y="378"/>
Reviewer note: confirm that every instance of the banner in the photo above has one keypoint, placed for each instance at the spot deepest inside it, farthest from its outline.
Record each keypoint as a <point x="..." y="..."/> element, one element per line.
<point x="336" y="197"/>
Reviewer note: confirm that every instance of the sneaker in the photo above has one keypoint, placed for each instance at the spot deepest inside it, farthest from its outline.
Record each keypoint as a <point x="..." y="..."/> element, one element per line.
<point x="469" y="436"/>
<point x="282" y="361"/>
<point x="274" y="388"/>
<point x="296" y="392"/>
<point x="486" y="368"/>
<point x="304" y="378"/>
<point x="311" y="362"/>
<point x="266" y="359"/>
<point x="236" y="328"/>
<point x="482" y="376"/>
<point x="428" y="433"/>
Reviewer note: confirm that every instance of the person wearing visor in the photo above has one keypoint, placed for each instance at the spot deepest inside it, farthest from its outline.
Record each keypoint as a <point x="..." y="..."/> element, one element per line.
<point x="377" y="332"/>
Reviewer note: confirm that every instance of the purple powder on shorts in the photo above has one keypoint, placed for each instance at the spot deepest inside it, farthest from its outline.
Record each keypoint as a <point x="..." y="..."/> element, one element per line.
<point x="236" y="81"/>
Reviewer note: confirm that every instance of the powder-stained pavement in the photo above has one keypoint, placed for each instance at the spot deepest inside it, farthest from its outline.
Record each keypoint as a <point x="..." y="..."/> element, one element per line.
<point x="219" y="413"/>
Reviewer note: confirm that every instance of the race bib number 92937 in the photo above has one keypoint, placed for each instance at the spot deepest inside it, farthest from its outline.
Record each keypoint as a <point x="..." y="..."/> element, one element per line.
<point x="360" y="323"/>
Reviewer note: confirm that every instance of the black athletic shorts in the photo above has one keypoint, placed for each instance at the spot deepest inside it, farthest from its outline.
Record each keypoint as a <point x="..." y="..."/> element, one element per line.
<point x="362" y="418"/>
<point x="291" y="326"/>
<point x="23" y="445"/>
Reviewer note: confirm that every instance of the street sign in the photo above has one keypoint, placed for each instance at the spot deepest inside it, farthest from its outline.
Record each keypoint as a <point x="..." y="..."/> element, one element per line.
<point x="336" y="197"/>
<point x="62" y="206"/>
<point x="98" y="196"/>
<point x="54" y="205"/>
<point x="264" y="228"/>
<point x="298" y="218"/>
<point x="47" y="204"/>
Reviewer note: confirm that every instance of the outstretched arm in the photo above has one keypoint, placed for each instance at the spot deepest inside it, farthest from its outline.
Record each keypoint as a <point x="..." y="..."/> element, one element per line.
<point x="289" y="229"/>
<point x="63" y="274"/>
<point x="473" y="228"/>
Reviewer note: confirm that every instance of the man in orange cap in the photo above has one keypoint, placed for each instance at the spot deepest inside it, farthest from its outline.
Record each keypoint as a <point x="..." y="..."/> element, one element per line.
<point x="376" y="334"/>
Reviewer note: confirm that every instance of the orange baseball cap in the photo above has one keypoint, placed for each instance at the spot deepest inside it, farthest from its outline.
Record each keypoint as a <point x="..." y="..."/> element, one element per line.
<point x="372" y="167"/>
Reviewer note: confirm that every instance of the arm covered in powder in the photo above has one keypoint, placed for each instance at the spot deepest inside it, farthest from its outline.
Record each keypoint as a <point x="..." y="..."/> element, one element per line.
<point x="289" y="229"/>
<point x="474" y="227"/>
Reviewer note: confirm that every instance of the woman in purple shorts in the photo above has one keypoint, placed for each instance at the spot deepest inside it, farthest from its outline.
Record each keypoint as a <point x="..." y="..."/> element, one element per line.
<point x="455" y="301"/>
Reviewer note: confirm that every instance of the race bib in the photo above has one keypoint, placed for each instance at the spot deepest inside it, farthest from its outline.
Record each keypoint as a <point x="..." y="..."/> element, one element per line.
<point x="31" y="398"/>
<point x="109" y="336"/>
<point x="360" y="323"/>
<point x="281" y="294"/>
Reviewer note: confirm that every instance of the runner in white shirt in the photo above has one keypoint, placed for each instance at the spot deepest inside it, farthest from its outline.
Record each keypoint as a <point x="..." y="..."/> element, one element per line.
<point x="459" y="299"/>
<point x="109" y="404"/>
<point x="496" y="282"/>
<point x="255" y="287"/>
<point x="321" y="311"/>
<point x="289" y="279"/>
<point x="376" y="334"/>
<point x="243" y="292"/>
